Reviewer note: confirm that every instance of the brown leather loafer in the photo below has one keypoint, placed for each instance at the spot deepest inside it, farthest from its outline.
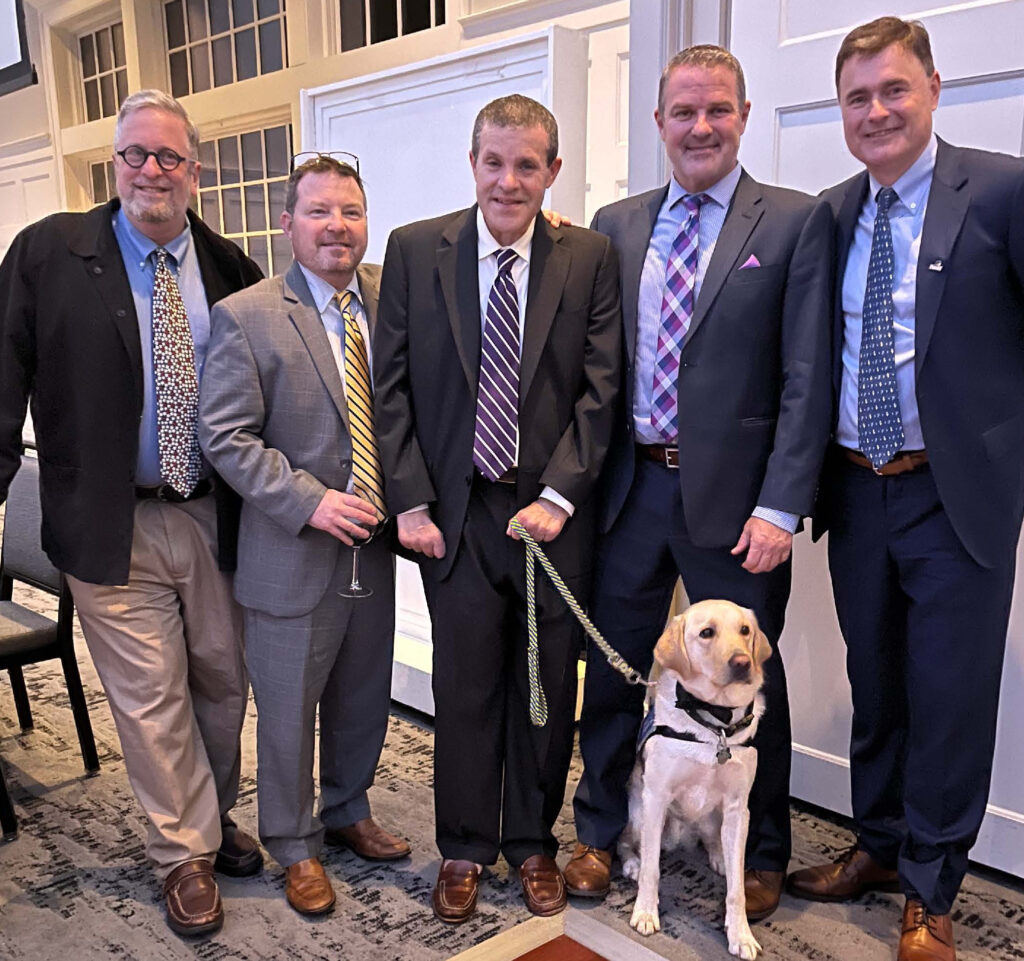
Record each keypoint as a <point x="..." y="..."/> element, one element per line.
<point x="455" y="891"/>
<point x="926" y="936"/>
<point x="192" y="898"/>
<point x="543" y="885"/>
<point x="763" y="890"/>
<point x="307" y="887"/>
<point x="589" y="872"/>
<point x="239" y="855"/>
<point x="852" y="874"/>
<point x="369" y="840"/>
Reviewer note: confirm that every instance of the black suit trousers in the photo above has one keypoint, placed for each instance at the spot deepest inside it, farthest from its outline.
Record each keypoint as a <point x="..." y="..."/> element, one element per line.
<point x="499" y="782"/>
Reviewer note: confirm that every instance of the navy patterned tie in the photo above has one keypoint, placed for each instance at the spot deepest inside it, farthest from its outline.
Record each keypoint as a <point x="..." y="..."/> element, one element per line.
<point x="879" y="425"/>
<point x="497" y="402"/>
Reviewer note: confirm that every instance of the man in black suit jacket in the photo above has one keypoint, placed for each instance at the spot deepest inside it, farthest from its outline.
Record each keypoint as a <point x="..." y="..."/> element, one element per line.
<point x="711" y="487"/>
<point x="924" y="506"/>
<point x="140" y="555"/>
<point x="496" y="366"/>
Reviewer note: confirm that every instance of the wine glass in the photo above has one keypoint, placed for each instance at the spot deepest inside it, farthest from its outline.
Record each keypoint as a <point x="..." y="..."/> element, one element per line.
<point x="354" y="588"/>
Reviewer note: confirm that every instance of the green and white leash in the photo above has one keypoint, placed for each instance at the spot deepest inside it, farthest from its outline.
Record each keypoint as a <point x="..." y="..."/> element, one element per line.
<point x="534" y="554"/>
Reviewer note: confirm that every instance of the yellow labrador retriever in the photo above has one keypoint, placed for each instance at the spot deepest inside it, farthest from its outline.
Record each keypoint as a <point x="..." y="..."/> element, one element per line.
<point x="694" y="764"/>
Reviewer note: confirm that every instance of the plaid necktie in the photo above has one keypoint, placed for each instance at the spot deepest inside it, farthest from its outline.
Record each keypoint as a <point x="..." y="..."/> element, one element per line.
<point x="497" y="401"/>
<point x="368" y="479"/>
<point x="676" y="312"/>
<point x="879" y="425"/>
<point x="177" y="387"/>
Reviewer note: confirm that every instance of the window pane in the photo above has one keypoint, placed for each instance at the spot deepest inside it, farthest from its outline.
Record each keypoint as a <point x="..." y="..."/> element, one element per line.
<point x="175" y="24"/>
<point x="200" y="67"/>
<point x="353" y="24"/>
<point x="255" y="207"/>
<point x="196" y="19"/>
<point x="383" y="20"/>
<point x="271" y="58"/>
<point x="278" y="192"/>
<point x="117" y="32"/>
<point x="438" y="12"/>
<point x="88" y="55"/>
<point x="207" y="164"/>
<point x="122" y="86"/>
<point x="222" y="61"/>
<point x="228" y="149"/>
<point x="243" y="12"/>
<point x="211" y="209"/>
<point x="252" y="156"/>
<point x="220" y="19"/>
<point x="232" y="198"/>
<point x="281" y="248"/>
<point x="415" y="15"/>
<point x="92" y="100"/>
<point x="258" y="251"/>
<point x="107" y="95"/>
<point x="245" y="53"/>
<point x="111" y="180"/>
<point x="179" y="74"/>
<point x="99" y="184"/>
<point x="277" y="151"/>
<point x="104" y="50"/>
<point x="267" y="8"/>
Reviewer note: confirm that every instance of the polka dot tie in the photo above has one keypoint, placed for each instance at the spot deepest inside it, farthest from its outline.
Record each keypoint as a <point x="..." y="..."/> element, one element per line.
<point x="177" y="387"/>
<point x="878" y="406"/>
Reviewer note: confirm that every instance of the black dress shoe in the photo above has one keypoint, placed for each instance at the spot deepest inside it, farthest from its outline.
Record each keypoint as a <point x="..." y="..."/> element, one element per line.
<point x="239" y="855"/>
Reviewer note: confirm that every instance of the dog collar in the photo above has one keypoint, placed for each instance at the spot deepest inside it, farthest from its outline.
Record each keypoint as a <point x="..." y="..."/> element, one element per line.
<point x="723" y="721"/>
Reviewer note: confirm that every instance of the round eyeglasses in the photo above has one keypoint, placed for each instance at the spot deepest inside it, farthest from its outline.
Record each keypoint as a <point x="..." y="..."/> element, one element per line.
<point x="136" y="157"/>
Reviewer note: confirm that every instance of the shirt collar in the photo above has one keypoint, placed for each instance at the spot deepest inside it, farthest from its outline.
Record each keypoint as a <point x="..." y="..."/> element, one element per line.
<point x="721" y="192"/>
<point x="487" y="245"/>
<point x="323" y="292"/>
<point x="140" y="247"/>
<point x="912" y="188"/>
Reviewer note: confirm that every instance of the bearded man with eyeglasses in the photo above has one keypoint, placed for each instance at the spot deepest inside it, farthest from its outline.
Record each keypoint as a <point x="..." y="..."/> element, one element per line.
<point x="103" y="329"/>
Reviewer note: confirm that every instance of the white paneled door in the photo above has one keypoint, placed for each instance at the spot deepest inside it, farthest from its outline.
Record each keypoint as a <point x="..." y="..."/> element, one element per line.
<point x="794" y="137"/>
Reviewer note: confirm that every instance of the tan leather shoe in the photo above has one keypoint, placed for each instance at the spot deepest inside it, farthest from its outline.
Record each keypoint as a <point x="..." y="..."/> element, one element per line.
<point x="307" y="887"/>
<point x="763" y="890"/>
<point x="192" y="898"/>
<point x="455" y="891"/>
<point x="589" y="872"/>
<point x="239" y="855"/>
<point x="369" y="840"/>
<point x="926" y="936"/>
<point x="543" y="885"/>
<point x="848" y="877"/>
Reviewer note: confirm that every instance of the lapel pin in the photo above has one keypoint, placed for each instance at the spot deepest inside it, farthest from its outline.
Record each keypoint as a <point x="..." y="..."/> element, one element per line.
<point x="935" y="265"/>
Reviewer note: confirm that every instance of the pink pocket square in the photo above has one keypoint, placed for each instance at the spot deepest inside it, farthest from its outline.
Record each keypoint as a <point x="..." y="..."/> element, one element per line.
<point x="751" y="261"/>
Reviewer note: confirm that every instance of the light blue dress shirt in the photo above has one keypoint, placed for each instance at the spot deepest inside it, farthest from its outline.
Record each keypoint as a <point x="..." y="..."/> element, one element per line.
<point x="140" y="263"/>
<point x="906" y="220"/>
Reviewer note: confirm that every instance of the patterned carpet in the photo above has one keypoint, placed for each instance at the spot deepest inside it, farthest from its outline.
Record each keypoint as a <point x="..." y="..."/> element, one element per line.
<point x="74" y="884"/>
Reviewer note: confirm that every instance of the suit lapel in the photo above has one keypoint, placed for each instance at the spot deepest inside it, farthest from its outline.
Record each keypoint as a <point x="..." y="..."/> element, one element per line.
<point x="947" y="207"/>
<point x="304" y="315"/>
<point x="549" y="267"/>
<point x="637" y="235"/>
<point x="846" y="223"/>
<point x="369" y="291"/>
<point x="458" y="269"/>
<point x="744" y="213"/>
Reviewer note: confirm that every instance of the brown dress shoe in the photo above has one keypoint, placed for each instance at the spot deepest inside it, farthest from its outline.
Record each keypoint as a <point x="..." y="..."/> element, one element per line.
<point x="369" y="840"/>
<point x="193" y="901"/>
<point x="455" y="891"/>
<point x="926" y="936"/>
<point x="307" y="887"/>
<point x="763" y="889"/>
<point x="239" y="855"/>
<point x="848" y="877"/>
<point x="589" y="872"/>
<point x="543" y="885"/>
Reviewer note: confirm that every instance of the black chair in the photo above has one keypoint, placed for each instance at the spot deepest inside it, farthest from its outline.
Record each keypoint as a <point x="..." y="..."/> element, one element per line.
<point x="25" y="636"/>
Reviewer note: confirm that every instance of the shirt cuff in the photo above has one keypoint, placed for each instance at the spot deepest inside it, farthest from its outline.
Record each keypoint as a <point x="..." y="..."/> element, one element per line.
<point x="411" y="510"/>
<point x="550" y="494"/>
<point x="783" y="519"/>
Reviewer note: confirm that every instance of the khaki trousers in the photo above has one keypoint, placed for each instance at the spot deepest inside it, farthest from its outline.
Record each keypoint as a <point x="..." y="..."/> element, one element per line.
<point x="168" y="650"/>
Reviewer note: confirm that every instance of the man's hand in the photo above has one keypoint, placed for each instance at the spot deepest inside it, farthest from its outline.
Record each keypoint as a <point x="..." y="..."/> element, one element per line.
<point x="556" y="219"/>
<point x="417" y="532"/>
<point x="344" y="516"/>
<point x="543" y="520"/>
<point x="767" y="546"/>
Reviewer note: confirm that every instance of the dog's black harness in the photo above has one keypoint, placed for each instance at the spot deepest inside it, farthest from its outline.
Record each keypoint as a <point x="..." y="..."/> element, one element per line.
<point x="721" y="721"/>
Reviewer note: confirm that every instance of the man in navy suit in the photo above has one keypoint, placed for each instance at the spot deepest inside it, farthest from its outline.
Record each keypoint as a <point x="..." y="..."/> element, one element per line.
<point x="922" y="492"/>
<point x="715" y="455"/>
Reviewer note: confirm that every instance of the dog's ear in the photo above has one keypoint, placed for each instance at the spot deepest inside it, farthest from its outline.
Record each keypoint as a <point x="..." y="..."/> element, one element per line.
<point x="670" y="651"/>
<point x="760" y="647"/>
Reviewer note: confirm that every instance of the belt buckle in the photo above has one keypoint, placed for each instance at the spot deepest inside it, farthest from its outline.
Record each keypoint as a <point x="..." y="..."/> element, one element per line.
<point x="672" y="457"/>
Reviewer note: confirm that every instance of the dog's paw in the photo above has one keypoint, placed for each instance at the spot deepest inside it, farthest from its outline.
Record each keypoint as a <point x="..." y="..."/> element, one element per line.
<point x="717" y="860"/>
<point x="645" y="922"/>
<point x="744" y="945"/>
<point x="631" y="868"/>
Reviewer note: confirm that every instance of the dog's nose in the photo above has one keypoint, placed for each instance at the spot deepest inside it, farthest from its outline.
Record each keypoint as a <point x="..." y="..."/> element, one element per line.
<point x="739" y="665"/>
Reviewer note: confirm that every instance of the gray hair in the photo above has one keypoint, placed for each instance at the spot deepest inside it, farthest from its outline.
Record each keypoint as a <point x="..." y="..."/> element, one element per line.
<point x="158" y="100"/>
<point x="708" y="56"/>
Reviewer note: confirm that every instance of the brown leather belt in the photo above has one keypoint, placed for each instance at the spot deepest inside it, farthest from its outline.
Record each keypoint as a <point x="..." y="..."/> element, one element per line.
<point x="164" y="492"/>
<point x="509" y="477"/>
<point x="669" y="456"/>
<point x="902" y="463"/>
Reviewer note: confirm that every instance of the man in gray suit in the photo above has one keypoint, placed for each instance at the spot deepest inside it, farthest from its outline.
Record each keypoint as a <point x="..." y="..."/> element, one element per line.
<point x="286" y="419"/>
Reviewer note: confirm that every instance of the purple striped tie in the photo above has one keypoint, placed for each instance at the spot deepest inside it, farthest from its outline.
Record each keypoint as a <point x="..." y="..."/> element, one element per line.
<point x="676" y="311"/>
<point x="497" y="401"/>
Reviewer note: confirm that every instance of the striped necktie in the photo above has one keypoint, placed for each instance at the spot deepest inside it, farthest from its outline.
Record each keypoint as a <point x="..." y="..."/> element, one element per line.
<point x="497" y="402"/>
<point x="177" y="387"/>
<point x="367" y="477"/>
<point x="879" y="425"/>
<point x="676" y="312"/>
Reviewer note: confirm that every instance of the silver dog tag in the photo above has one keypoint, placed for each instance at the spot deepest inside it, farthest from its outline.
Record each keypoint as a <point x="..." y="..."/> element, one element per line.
<point x="723" y="753"/>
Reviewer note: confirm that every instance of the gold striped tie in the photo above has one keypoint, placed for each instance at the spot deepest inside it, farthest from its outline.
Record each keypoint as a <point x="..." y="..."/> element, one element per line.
<point x="366" y="471"/>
